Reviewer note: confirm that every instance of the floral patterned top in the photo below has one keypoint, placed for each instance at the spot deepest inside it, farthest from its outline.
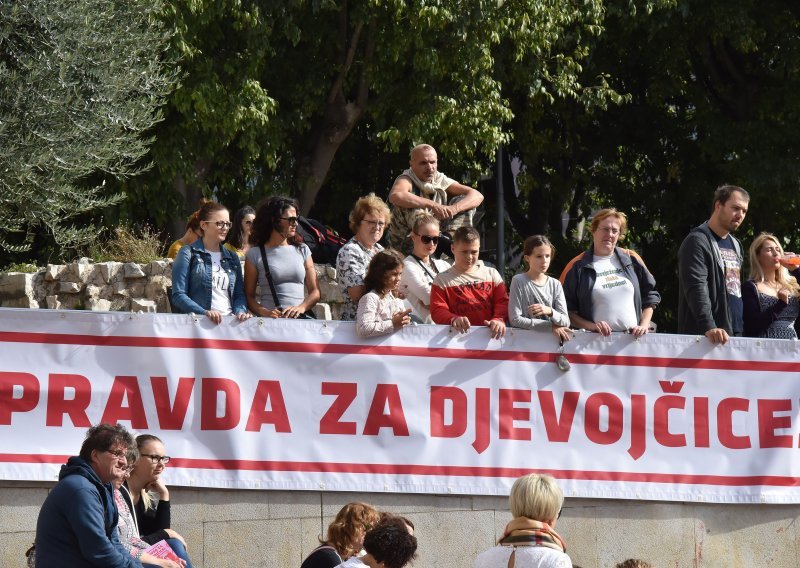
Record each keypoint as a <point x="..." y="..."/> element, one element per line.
<point x="128" y="533"/>
<point x="351" y="267"/>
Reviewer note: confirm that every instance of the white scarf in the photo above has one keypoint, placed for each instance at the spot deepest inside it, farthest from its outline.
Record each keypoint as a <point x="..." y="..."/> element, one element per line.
<point x="435" y="190"/>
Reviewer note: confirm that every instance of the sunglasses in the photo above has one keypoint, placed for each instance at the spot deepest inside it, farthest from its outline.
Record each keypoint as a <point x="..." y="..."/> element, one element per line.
<point x="290" y="220"/>
<point x="428" y="240"/>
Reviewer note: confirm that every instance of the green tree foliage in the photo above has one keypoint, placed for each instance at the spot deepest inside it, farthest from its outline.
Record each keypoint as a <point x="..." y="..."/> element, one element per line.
<point x="80" y="85"/>
<point x="710" y="98"/>
<point x="274" y="88"/>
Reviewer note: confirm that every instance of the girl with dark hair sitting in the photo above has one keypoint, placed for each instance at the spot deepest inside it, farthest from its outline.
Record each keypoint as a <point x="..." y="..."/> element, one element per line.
<point x="379" y="311"/>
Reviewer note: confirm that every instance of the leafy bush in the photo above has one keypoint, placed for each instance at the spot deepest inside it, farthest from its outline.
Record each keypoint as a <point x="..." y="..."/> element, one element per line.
<point x="129" y="244"/>
<point x="21" y="267"/>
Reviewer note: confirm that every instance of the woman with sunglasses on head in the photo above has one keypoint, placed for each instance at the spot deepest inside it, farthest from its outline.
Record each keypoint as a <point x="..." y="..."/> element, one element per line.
<point x="150" y="496"/>
<point x="207" y="277"/>
<point x="280" y="263"/>
<point x="420" y="268"/>
<point x="368" y="220"/>
<point x="239" y="235"/>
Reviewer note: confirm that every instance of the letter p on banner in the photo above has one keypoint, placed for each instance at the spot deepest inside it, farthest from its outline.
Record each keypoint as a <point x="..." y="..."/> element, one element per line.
<point x="28" y="399"/>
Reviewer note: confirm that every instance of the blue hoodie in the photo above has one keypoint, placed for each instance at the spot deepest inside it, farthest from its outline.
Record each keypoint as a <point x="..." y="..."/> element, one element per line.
<point x="77" y="525"/>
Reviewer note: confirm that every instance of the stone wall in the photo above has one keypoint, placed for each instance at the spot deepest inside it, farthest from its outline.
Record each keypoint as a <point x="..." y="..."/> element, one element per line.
<point x="121" y="286"/>
<point x="252" y="528"/>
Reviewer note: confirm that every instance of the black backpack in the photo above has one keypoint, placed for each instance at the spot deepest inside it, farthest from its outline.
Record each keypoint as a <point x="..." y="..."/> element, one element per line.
<point x="323" y="241"/>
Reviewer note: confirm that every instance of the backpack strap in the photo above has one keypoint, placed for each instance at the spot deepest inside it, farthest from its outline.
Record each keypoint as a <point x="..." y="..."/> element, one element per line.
<point x="269" y="277"/>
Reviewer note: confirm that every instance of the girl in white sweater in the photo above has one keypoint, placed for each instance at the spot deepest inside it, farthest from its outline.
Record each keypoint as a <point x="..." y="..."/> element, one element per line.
<point x="379" y="311"/>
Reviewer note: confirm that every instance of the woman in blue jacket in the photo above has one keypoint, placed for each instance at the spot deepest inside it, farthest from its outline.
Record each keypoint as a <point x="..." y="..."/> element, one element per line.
<point x="207" y="277"/>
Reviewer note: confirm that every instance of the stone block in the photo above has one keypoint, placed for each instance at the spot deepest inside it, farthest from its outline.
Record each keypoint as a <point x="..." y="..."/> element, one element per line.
<point x="253" y="543"/>
<point x="330" y="292"/>
<point x="136" y="287"/>
<point x="15" y="285"/>
<point x="322" y="311"/>
<point x="142" y="305"/>
<point x="106" y="271"/>
<point x="92" y="292"/>
<point x="98" y="305"/>
<point x="133" y="270"/>
<point x="13" y="546"/>
<point x="120" y="289"/>
<point x="53" y="303"/>
<point x="69" y="287"/>
<point x="52" y="272"/>
<point x="159" y="268"/>
<point x="156" y="287"/>
<point x="76" y="272"/>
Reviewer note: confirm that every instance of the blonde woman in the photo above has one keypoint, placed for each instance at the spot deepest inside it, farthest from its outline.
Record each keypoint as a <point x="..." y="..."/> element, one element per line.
<point x="770" y="297"/>
<point x="530" y="539"/>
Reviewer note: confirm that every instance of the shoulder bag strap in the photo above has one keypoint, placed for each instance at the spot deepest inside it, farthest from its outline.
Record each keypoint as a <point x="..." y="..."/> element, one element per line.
<point x="269" y="277"/>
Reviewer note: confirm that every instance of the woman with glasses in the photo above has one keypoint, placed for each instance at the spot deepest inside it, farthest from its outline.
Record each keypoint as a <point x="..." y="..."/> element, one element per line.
<point x="150" y="496"/>
<point x="126" y="527"/>
<point x="368" y="219"/>
<point x="207" y="277"/>
<point x="420" y="268"/>
<point x="239" y="236"/>
<point x="279" y="264"/>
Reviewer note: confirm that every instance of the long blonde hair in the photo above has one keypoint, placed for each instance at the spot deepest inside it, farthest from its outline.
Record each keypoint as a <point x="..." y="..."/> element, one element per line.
<point x="782" y="276"/>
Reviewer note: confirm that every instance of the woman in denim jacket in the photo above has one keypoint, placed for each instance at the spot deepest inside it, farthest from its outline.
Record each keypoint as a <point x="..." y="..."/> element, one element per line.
<point x="207" y="277"/>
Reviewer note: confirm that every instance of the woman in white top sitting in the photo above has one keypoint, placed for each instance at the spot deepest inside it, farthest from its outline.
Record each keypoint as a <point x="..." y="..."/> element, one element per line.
<point x="530" y="539"/>
<point x="289" y="289"/>
<point x="609" y="288"/>
<point x="420" y="268"/>
<point x="379" y="310"/>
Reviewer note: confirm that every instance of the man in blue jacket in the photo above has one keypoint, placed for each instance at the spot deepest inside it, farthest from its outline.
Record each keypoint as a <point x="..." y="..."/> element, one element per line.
<point x="77" y="526"/>
<point x="709" y="271"/>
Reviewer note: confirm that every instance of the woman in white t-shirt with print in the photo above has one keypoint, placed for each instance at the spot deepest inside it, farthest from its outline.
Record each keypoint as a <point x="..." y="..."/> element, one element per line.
<point x="207" y="277"/>
<point x="608" y="288"/>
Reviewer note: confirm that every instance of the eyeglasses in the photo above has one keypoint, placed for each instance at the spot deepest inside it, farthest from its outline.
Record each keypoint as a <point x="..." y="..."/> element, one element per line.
<point x="428" y="240"/>
<point x="119" y="454"/>
<point x="290" y="220"/>
<point x="155" y="458"/>
<point x="374" y="224"/>
<point x="221" y="224"/>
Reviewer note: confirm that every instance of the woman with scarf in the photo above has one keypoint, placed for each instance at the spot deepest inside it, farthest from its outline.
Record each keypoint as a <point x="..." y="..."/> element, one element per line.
<point x="530" y="539"/>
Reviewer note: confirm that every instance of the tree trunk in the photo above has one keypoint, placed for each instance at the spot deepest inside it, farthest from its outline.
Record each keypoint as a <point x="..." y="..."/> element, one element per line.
<point x="191" y="193"/>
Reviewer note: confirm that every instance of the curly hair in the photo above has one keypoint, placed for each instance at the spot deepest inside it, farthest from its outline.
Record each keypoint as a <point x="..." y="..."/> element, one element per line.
<point x="349" y="526"/>
<point x="381" y="263"/>
<point x="268" y="217"/>
<point x="366" y="205"/>
<point x="634" y="563"/>
<point x="391" y="543"/>
<point x="103" y="437"/>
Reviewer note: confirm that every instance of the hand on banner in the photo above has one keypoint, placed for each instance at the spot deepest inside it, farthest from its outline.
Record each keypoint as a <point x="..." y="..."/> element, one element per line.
<point x="603" y="328"/>
<point x="717" y="336"/>
<point x="214" y="316"/>
<point x="497" y="328"/>
<point x="460" y="324"/>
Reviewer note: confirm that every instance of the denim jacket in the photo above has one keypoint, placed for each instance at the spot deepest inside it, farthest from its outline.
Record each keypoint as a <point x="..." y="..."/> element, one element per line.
<point x="191" y="279"/>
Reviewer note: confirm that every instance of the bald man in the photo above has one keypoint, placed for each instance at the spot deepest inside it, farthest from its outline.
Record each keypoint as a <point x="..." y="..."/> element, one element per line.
<point x="423" y="189"/>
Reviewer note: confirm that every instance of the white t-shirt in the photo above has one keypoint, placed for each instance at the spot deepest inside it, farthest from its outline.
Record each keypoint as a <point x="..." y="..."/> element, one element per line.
<point x="353" y="562"/>
<point x="612" y="295"/>
<point x="525" y="557"/>
<point x="220" y="299"/>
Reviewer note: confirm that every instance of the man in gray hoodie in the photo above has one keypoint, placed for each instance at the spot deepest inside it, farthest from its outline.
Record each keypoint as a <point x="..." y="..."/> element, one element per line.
<point x="709" y="270"/>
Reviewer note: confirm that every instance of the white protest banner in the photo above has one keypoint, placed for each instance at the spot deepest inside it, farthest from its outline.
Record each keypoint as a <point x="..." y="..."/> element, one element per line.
<point x="285" y="404"/>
